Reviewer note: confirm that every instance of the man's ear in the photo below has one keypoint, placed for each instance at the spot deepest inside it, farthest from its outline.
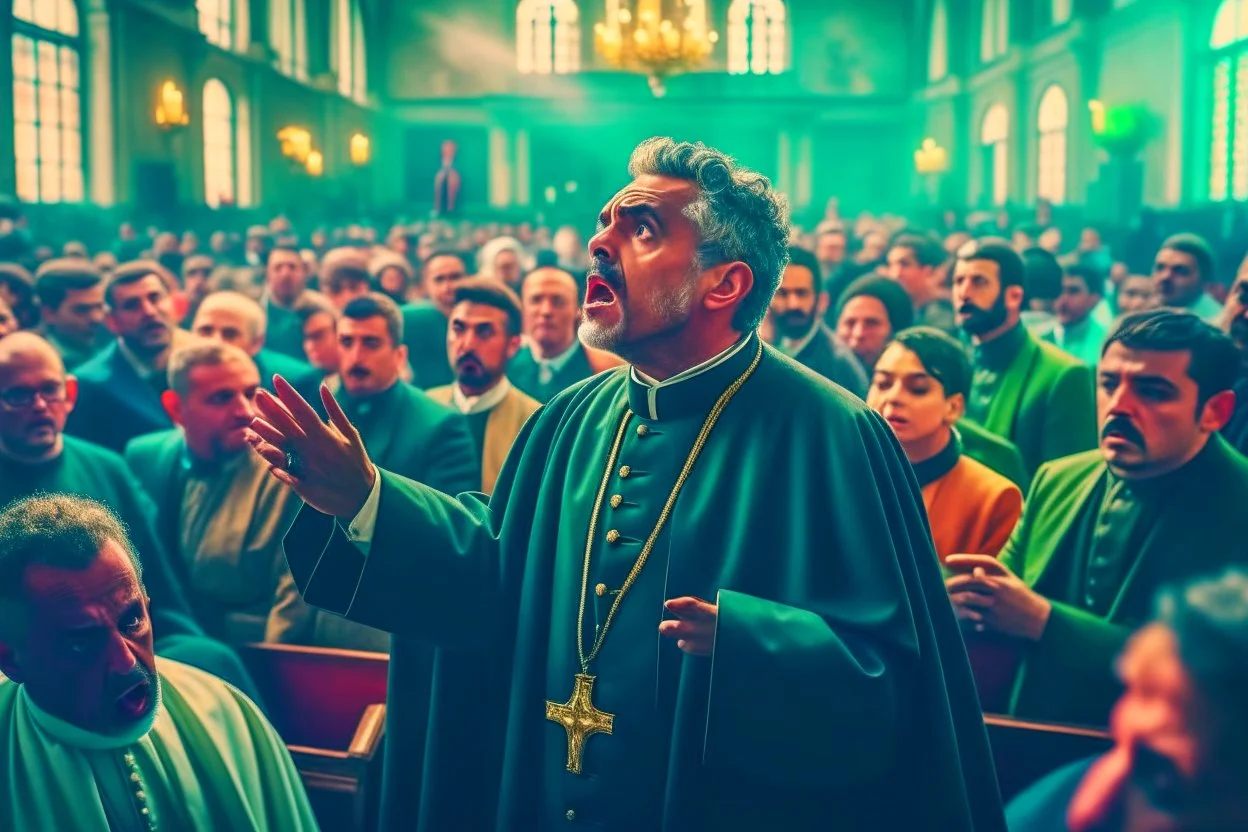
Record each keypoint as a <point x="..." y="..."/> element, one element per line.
<point x="71" y="393"/>
<point x="733" y="283"/>
<point x="513" y="346"/>
<point x="1217" y="411"/>
<point x="821" y="305"/>
<point x="172" y="403"/>
<point x="1014" y="297"/>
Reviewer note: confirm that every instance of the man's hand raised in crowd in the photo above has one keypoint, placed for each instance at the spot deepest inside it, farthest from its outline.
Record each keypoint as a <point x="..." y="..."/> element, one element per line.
<point x="324" y="462"/>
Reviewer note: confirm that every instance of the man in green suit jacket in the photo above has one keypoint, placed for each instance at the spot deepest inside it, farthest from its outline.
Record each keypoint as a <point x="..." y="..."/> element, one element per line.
<point x="1162" y="500"/>
<point x="1023" y="389"/>
<point x="986" y="448"/>
<point x="425" y="322"/>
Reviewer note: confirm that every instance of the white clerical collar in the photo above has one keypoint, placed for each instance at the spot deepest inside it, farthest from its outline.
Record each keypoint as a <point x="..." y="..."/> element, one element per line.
<point x="75" y="737"/>
<point x="488" y="400"/>
<point x="792" y="348"/>
<point x="653" y="386"/>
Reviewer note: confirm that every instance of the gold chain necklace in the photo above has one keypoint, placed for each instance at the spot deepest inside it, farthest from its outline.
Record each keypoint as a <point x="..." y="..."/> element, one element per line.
<point x="578" y="715"/>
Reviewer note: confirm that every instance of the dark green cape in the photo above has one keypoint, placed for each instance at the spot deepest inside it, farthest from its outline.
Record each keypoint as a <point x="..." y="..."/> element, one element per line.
<point x="839" y="692"/>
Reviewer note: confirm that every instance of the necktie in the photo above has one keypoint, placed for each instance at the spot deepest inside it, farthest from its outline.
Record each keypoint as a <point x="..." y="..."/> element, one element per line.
<point x="545" y="373"/>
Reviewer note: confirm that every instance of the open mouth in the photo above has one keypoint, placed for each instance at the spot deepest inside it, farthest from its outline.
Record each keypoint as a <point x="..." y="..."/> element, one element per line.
<point x="598" y="293"/>
<point x="135" y="701"/>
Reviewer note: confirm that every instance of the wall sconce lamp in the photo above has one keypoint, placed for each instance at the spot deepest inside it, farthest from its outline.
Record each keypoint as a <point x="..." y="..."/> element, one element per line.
<point x="315" y="163"/>
<point x="931" y="158"/>
<point x="296" y="143"/>
<point x="361" y="149"/>
<point x="1096" y="109"/>
<point x="171" y="107"/>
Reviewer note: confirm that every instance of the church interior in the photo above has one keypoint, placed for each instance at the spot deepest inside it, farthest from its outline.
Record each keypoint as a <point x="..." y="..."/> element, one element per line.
<point x="264" y="258"/>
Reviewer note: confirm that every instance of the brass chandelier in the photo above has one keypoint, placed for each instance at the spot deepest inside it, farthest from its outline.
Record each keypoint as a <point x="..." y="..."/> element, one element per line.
<point x="656" y="37"/>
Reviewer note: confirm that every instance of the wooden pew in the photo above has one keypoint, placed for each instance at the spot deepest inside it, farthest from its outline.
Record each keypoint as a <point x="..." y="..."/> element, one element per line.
<point x="1024" y="751"/>
<point x="330" y="708"/>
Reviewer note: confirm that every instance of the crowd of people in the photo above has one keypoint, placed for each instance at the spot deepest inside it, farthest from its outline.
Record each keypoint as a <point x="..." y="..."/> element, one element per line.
<point x="851" y="454"/>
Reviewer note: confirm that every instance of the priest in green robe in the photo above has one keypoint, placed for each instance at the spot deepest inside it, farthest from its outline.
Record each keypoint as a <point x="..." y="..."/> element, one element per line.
<point x="676" y="611"/>
<point x="95" y="732"/>
<point x="36" y="397"/>
<point x="1161" y="501"/>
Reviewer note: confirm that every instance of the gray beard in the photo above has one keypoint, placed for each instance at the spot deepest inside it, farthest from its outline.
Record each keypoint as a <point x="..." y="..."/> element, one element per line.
<point x="668" y="309"/>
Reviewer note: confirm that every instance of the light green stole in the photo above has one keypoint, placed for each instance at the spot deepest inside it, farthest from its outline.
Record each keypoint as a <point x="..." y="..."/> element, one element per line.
<point x="210" y="762"/>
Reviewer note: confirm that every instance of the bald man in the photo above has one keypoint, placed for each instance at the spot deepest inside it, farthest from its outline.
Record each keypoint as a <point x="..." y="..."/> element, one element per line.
<point x="36" y="397"/>
<point x="235" y="319"/>
<point x="553" y="358"/>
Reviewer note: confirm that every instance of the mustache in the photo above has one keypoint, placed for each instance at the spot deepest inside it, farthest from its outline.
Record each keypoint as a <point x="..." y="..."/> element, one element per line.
<point x="358" y="371"/>
<point x="969" y="308"/>
<point x="138" y="675"/>
<point x="607" y="270"/>
<point x="1123" y="426"/>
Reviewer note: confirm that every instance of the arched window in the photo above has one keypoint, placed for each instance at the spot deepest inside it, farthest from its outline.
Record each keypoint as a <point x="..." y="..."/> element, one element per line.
<point x="288" y="35"/>
<point x="1060" y="11"/>
<point x="938" y="45"/>
<point x="994" y="29"/>
<point x="220" y="166"/>
<point x="1051" y="121"/>
<point x="758" y="37"/>
<point x="548" y="37"/>
<point x="1228" y="150"/>
<point x="47" y="101"/>
<point x="994" y="137"/>
<point x="216" y="21"/>
<point x="350" y="56"/>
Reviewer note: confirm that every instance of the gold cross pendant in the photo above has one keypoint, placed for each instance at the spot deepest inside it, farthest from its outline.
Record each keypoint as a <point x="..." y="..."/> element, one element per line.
<point x="580" y="719"/>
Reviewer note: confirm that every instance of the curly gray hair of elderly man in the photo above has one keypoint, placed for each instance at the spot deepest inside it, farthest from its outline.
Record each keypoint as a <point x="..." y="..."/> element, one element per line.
<point x="738" y="214"/>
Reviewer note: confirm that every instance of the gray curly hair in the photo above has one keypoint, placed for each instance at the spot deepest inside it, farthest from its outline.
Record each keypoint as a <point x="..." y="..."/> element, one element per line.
<point x="739" y="216"/>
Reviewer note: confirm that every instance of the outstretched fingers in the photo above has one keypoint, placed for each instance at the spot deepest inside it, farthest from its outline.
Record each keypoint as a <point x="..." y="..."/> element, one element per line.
<point x="303" y="413"/>
<point x="277" y="419"/>
<point x="337" y="417"/>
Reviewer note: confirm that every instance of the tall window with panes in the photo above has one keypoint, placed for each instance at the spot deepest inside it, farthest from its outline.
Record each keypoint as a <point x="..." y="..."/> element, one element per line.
<point x="1228" y="146"/>
<point x="47" y="101"/>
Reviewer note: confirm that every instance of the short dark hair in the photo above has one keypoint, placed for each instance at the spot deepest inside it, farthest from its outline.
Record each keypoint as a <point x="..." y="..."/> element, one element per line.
<point x="490" y="291"/>
<point x="377" y="305"/>
<point x="446" y="252"/>
<point x="1093" y="278"/>
<point x="888" y="292"/>
<point x="268" y="257"/>
<point x="806" y="259"/>
<point x="57" y="278"/>
<point x="1196" y="247"/>
<point x="17" y="279"/>
<point x="1042" y="274"/>
<point x="133" y="272"/>
<point x="941" y="355"/>
<point x="58" y="530"/>
<point x="1209" y="619"/>
<point x="927" y="250"/>
<point x="1009" y="264"/>
<point x="1214" y="364"/>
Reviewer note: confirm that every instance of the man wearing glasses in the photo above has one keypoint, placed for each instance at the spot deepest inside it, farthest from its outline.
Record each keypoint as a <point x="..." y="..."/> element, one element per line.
<point x="36" y="397"/>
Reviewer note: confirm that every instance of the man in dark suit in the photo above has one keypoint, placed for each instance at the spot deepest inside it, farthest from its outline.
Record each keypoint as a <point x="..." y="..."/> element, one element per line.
<point x="554" y="358"/>
<point x="119" y="389"/>
<point x="285" y="284"/>
<point x="406" y="432"/>
<point x="425" y="323"/>
<point x="233" y="318"/>
<point x="797" y="311"/>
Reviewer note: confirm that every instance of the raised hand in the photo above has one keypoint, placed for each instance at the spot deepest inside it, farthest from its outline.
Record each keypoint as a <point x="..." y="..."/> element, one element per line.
<point x="325" y="463"/>
<point x="694" y="629"/>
